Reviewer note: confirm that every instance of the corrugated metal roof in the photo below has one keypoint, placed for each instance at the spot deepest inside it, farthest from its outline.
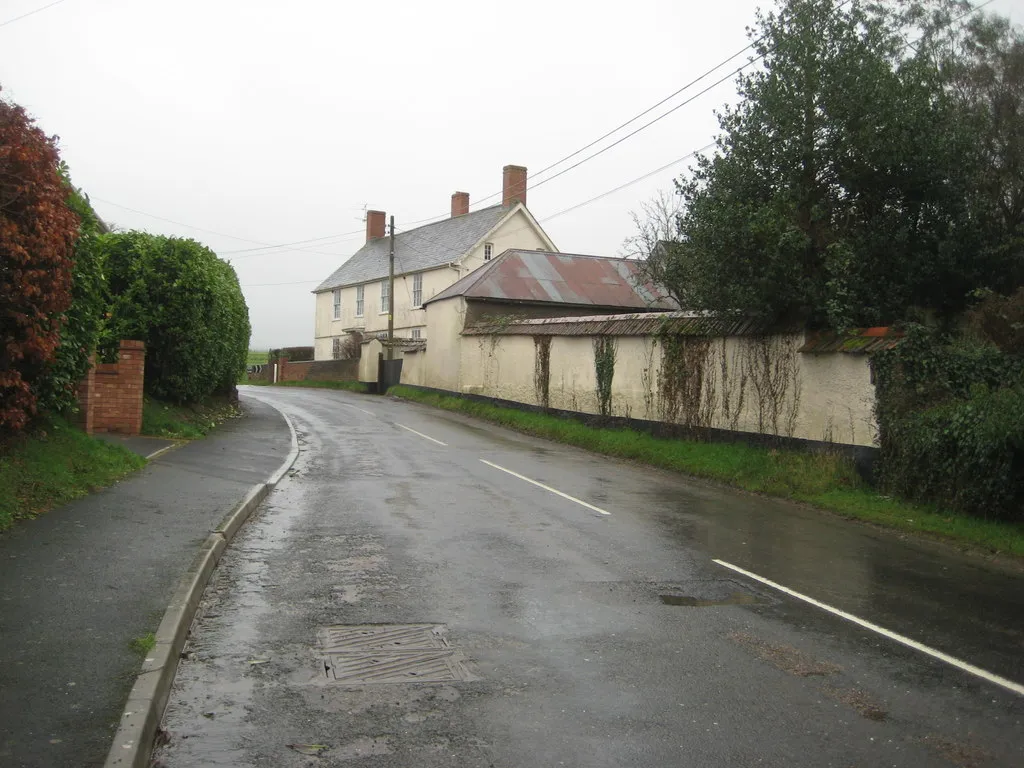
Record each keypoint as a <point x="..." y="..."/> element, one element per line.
<point x="432" y="245"/>
<point x="560" y="278"/>
<point x="856" y="341"/>
<point x="633" y="324"/>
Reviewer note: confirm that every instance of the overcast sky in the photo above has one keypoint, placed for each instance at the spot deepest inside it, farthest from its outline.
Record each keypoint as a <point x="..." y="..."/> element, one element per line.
<point x="253" y="123"/>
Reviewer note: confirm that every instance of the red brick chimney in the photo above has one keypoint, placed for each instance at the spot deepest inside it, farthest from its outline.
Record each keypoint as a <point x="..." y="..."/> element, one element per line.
<point x="513" y="185"/>
<point x="460" y="204"/>
<point x="375" y="225"/>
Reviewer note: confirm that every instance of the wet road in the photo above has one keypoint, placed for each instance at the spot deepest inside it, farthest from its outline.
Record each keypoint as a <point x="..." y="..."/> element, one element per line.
<point x="562" y="609"/>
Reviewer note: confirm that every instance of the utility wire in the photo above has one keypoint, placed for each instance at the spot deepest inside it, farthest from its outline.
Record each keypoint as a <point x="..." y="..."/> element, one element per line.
<point x="628" y="122"/>
<point x="263" y="243"/>
<point x="295" y="242"/>
<point x="636" y="117"/>
<point x="30" y="13"/>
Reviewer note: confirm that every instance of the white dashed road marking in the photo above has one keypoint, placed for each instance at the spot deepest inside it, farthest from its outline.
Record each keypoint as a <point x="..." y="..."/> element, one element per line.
<point x="425" y="437"/>
<point x="945" y="657"/>
<point x="546" y="487"/>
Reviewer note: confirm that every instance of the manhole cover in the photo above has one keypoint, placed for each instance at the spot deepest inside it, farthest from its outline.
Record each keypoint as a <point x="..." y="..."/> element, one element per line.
<point x="402" y="653"/>
<point x="375" y="637"/>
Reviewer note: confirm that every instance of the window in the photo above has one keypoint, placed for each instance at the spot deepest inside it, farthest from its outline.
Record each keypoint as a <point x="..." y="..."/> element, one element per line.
<point x="337" y="304"/>
<point x="336" y="348"/>
<point x="359" y="301"/>
<point x="385" y="297"/>
<point x="416" y="333"/>
<point x="417" y="289"/>
<point x="488" y="251"/>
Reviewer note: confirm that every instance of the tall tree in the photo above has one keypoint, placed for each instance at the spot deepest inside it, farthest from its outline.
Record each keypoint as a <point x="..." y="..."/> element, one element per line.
<point x="839" y="192"/>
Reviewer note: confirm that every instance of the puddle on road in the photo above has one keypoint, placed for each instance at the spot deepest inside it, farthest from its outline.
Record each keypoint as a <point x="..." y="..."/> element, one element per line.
<point x="736" y="598"/>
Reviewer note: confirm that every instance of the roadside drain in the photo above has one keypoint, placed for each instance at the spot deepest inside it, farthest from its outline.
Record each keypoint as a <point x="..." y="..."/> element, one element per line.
<point x="390" y="653"/>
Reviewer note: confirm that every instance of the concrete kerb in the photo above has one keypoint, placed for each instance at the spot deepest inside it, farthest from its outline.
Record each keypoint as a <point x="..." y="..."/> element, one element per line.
<point x="141" y="717"/>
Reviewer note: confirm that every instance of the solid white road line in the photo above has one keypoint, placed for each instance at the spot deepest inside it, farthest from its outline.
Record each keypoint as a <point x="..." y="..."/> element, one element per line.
<point x="546" y="487"/>
<point x="425" y="437"/>
<point x="952" y="661"/>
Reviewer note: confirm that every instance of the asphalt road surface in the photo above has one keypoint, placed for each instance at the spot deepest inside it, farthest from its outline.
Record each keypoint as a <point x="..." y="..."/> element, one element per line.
<point x="426" y="590"/>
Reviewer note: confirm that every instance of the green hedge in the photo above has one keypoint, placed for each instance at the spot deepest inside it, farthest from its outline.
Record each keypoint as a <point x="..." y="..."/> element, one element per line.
<point x="186" y="304"/>
<point x="82" y="322"/>
<point x="951" y="425"/>
<point x="966" y="455"/>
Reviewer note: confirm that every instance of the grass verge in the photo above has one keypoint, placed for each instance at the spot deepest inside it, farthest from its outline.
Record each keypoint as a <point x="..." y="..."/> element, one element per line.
<point x="824" y="480"/>
<point x="53" y="464"/>
<point x="185" y="422"/>
<point x="348" y="386"/>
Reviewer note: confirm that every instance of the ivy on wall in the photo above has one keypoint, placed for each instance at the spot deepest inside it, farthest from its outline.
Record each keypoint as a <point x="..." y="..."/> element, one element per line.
<point x="542" y="370"/>
<point x="604" y="369"/>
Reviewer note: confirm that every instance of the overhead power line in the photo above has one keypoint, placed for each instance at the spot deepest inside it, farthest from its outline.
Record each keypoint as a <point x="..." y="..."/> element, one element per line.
<point x="264" y="245"/>
<point x="172" y="221"/>
<point x="630" y="121"/>
<point x="30" y="13"/>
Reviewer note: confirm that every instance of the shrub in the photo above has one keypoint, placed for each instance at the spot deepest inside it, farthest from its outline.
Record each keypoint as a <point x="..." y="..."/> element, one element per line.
<point x="965" y="455"/>
<point x="1000" y="320"/>
<point x="951" y="424"/>
<point x="37" y="238"/>
<point x="186" y="304"/>
<point x="81" y="323"/>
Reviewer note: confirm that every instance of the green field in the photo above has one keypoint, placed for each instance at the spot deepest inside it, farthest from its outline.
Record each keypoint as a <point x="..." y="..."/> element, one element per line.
<point x="256" y="357"/>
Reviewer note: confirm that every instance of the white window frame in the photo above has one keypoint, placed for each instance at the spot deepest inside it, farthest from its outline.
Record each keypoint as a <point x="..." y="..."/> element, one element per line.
<point x="488" y="251"/>
<point x="385" y="297"/>
<point x="416" y="334"/>
<point x="417" y="290"/>
<point x="360" y="294"/>
<point x="337" y="303"/>
<point x="336" y="348"/>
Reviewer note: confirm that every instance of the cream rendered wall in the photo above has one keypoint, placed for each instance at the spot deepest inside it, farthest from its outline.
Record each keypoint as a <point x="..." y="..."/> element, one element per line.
<point x="406" y="316"/>
<point x="368" y="360"/>
<point x="326" y="327"/>
<point x="573" y="381"/>
<point x="838" y="399"/>
<point x="515" y="232"/>
<point x="444" y="346"/>
<point x="498" y="366"/>
<point x="412" y="367"/>
<point x="826" y="397"/>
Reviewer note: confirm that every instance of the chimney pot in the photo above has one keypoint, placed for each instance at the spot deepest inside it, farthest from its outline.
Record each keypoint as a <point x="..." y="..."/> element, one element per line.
<point x="375" y="225"/>
<point x="460" y="204"/>
<point x="513" y="186"/>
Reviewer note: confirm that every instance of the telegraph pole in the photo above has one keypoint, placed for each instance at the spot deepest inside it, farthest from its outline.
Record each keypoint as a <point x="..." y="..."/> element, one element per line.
<point x="391" y="294"/>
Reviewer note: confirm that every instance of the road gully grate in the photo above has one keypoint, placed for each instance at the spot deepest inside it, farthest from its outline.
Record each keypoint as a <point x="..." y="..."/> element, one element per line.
<point x="390" y="653"/>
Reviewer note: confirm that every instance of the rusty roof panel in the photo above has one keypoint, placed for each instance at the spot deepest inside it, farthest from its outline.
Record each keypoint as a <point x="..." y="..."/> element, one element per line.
<point x="560" y="278"/>
<point x="862" y="341"/>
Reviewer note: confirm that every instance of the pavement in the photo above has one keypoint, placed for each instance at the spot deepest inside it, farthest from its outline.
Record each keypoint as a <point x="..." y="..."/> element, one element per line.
<point x="78" y="584"/>
<point x="427" y="590"/>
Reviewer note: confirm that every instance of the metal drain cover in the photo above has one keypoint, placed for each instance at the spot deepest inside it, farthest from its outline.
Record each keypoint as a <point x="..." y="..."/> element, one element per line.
<point x="390" y="653"/>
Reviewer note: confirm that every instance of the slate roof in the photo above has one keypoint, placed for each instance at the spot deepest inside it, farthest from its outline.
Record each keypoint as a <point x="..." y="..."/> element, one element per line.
<point x="431" y="245"/>
<point x="560" y="278"/>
